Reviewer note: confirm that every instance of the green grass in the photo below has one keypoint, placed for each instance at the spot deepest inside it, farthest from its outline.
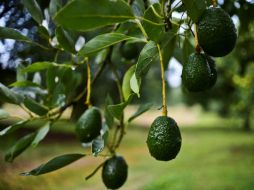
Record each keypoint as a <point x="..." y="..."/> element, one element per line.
<point x="213" y="157"/>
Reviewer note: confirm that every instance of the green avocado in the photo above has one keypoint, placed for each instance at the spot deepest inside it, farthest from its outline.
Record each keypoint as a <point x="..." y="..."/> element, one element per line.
<point x="164" y="139"/>
<point x="216" y="32"/>
<point x="89" y="125"/>
<point x="199" y="73"/>
<point x="130" y="50"/>
<point x="114" y="172"/>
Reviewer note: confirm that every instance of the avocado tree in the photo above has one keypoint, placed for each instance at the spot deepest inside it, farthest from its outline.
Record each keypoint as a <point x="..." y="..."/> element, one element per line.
<point x="90" y="37"/>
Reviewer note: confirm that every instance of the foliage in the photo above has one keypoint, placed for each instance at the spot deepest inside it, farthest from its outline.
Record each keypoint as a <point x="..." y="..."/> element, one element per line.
<point x="47" y="86"/>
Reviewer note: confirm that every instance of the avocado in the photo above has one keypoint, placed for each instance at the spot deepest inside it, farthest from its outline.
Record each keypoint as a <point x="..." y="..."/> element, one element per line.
<point x="114" y="172"/>
<point x="89" y="125"/>
<point x="164" y="139"/>
<point x="199" y="73"/>
<point x="130" y="50"/>
<point x="216" y="32"/>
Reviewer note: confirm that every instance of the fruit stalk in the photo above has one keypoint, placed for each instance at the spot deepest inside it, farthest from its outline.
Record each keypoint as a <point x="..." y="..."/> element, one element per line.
<point x="164" y="99"/>
<point x="88" y="85"/>
<point x="197" y="47"/>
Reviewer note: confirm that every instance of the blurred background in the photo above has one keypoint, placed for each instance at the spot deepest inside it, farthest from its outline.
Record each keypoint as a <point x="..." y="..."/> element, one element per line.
<point x="216" y="125"/>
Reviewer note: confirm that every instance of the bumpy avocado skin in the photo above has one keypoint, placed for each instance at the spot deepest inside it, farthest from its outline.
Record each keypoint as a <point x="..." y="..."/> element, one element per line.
<point x="114" y="172"/>
<point x="216" y="32"/>
<point x="164" y="139"/>
<point x="89" y="125"/>
<point x="199" y="73"/>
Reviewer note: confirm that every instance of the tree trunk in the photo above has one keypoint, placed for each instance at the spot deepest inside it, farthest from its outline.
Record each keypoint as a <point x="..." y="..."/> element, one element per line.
<point x="247" y="123"/>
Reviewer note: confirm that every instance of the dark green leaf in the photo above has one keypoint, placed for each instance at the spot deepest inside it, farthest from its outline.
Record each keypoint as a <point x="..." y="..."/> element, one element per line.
<point x="65" y="40"/>
<point x="97" y="145"/>
<point x="126" y="88"/>
<point x="35" y="107"/>
<point x="39" y="66"/>
<point x="24" y="84"/>
<point x="3" y="115"/>
<point x="43" y="32"/>
<point x="142" y="109"/>
<point x="168" y="51"/>
<point x="148" y="54"/>
<point x="89" y="14"/>
<point x="34" y="9"/>
<point x="108" y="117"/>
<point x="187" y="50"/>
<point x="9" y="33"/>
<point x="54" y="164"/>
<point x="102" y="41"/>
<point x="13" y="127"/>
<point x="195" y="8"/>
<point x="117" y="110"/>
<point x="20" y="146"/>
<point x="7" y="95"/>
<point x="153" y="14"/>
<point x="41" y="134"/>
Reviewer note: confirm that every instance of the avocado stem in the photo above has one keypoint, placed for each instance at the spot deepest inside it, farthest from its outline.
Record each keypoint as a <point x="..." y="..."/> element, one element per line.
<point x="164" y="98"/>
<point x="197" y="47"/>
<point x="88" y="85"/>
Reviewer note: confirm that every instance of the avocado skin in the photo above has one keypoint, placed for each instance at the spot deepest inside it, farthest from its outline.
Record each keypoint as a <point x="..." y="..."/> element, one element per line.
<point x="216" y="32"/>
<point x="199" y="73"/>
<point x="129" y="50"/>
<point x="164" y="139"/>
<point x="114" y="172"/>
<point x="89" y="125"/>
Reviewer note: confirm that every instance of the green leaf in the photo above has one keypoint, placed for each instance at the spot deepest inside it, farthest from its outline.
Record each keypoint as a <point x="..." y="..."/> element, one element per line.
<point x="43" y="32"/>
<point x="89" y="14"/>
<point x="3" y="115"/>
<point x="148" y="54"/>
<point x="153" y="14"/>
<point x="19" y="75"/>
<point x="187" y="50"/>
<point x="13" y="127"/>
<point x="126" y="88"/>
<point x="135" y="84"/>
<point x="108" y="117"/>
<point x="7" y="95"/>
<point x="41" y="134"/>
<point x="54" y="7"/>
<point x="20" y="146"/>
<point x="9" y="33"/>
<point x="54" y="164"/>
<point x="102" y="41"/>
<point x="35" y="107"/>
<point x="65" y="40"/>
<point x="97" y="145"/>
<point x="142" y="109"/>
<point x="168" y="50"/>
<point x="117" y="110"/>
<point x="34" y="9"/>
<point x="195" y="8"/>
<point x="38" y="66"/>
<point x="24" y="84"/>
